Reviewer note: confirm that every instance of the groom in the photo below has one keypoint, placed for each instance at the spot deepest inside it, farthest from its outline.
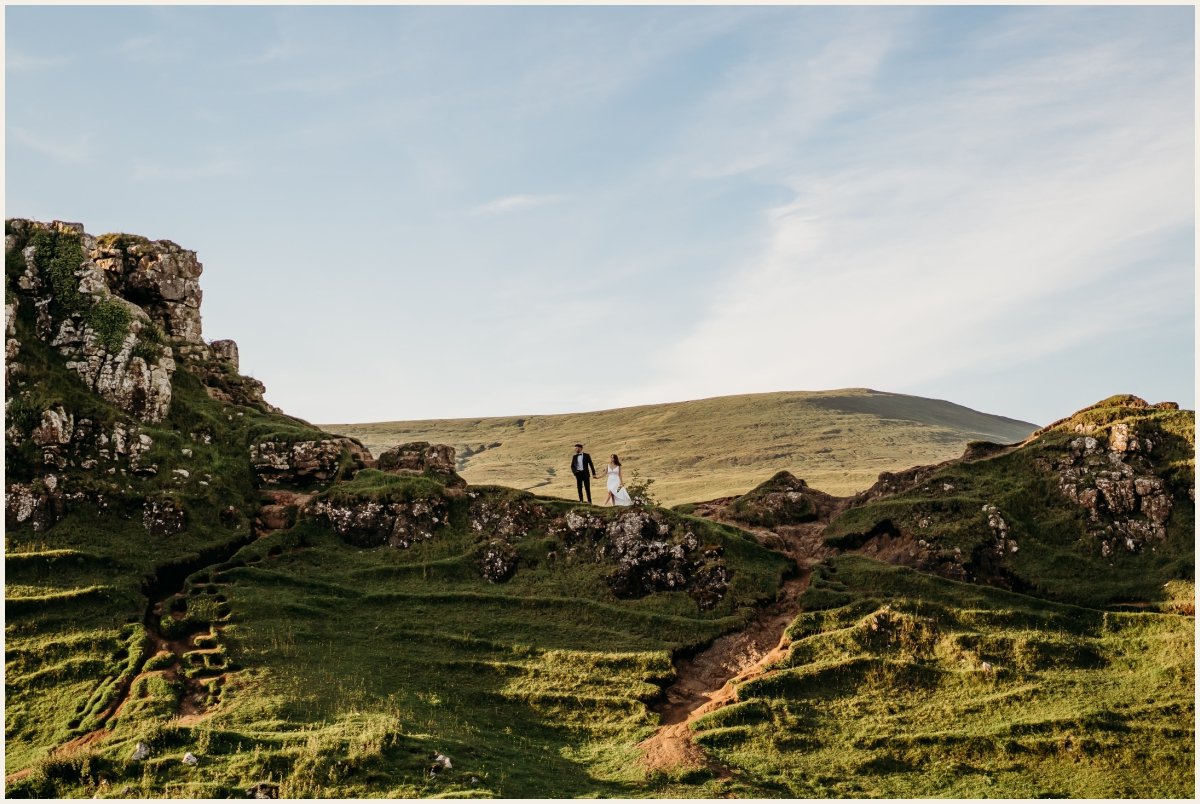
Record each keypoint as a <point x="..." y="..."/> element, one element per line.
<point x="581" y="465"/>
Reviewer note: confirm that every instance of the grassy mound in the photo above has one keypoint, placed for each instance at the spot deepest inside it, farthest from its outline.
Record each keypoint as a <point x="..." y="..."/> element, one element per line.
<point x="1009" y="520"/>
<point x="900" y="684"/>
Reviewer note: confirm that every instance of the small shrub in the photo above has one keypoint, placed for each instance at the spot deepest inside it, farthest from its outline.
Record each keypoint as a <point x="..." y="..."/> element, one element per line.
<point x="109" y="319"/>
<point x="58" y="256"/>
<point x="639" y="489"/>
<point x="23" y="414"/>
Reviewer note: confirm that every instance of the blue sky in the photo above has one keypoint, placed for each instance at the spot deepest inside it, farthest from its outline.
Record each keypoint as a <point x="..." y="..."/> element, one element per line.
<point x="426" y="212"/>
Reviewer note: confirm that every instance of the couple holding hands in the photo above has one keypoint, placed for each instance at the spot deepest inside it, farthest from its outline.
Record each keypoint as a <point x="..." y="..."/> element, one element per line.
<point x="584" y="470"/>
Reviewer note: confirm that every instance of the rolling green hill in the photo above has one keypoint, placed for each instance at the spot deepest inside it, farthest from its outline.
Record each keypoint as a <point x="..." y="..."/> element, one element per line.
<point x="837" y="440"/>
<point x="207" y="597"/>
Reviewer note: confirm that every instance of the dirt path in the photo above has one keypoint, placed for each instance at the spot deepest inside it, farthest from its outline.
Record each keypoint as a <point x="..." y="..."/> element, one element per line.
<point x="708" y="681"/>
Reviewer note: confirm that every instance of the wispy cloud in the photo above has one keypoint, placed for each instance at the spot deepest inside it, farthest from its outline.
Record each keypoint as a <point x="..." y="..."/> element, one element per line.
<point x="18" y="62"/>
<point x="517" y="203"/>
<point x="78" y="149"/>
<point x="915" y="253"/>
<point x="213" y="168"/>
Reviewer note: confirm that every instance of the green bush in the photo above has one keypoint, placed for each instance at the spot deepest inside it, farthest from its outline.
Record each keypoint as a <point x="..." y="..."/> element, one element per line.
<point x="58" y="256"/>
<point x="109" y="319"/>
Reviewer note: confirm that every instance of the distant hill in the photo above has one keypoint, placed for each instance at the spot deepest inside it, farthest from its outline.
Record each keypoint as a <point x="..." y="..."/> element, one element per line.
<point x="839" y="441"/>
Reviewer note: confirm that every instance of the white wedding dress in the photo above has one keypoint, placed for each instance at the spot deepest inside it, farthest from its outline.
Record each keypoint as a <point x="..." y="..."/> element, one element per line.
<point x="620" y="495"/>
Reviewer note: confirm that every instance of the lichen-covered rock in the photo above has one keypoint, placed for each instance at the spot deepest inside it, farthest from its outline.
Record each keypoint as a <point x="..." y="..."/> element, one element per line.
<point x="57" y="427"/>
<point x="499" y="562"/>
<point x="505" y="517"/>
<point x="226" y="351"/>
<point x="123" y="377"/>
<point x="1109" y="473"/>
<point x="421" y="457"/>
<point x="159" y="276"/>
<point x="783" y="500"/>
<point x="163" y="516"/>
<point x="40" y="504"/>
<point x="650" y="558"/>
<point x="299" y="462"/>
<point x="372" y="523"/>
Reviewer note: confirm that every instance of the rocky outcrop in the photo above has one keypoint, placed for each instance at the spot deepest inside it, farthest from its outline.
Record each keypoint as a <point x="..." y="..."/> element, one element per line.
<point x="421" y="458"/>
<point x="112" y="342"/>
<point x="158" y="276"/>
<point x="651" y="556"/>
<point x="1108" y="470"/>
<point x="226" y="351"/>
<point x="163" y="516"/>
<point x="783" y="500"/>
<point x="40" y="504"/>
<point x="372" y="523"/>
<point x="304" y="462"/>
<point x="125" y="313"/>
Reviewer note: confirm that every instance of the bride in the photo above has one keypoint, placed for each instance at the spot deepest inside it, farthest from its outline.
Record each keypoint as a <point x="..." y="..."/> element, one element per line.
<point x="617" y="495"/>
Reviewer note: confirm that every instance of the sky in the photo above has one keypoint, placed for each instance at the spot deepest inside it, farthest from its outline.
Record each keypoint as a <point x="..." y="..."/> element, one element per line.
<point x="435" y="212"/>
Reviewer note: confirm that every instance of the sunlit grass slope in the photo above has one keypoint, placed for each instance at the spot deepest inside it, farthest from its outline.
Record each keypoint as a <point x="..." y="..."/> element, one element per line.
<point x="1058" y="553"/>
<point x="838" y="441"/>
<point x="351" y="668"/>
<point x="73" y="593"/>
<point x="900" y="684"/>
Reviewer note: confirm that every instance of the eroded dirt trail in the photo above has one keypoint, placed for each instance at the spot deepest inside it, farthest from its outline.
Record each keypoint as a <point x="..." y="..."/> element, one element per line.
<point x="708" y="681"/>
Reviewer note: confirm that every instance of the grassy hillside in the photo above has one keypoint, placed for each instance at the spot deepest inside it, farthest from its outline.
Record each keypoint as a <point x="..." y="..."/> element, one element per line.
<point x="839" y="441"/>
<point x="346" y="670"/>
<point x="225" y="592"/>
<point x="1023" y="519"/>
<point x="899" y="685"/>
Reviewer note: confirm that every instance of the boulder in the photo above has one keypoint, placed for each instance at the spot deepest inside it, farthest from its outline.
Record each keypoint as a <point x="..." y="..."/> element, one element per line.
<point x="299" y="462"/>
<point x="163" y="516"/>
<point x="373" y="523"/>
<point x="225" y="351"/>
<point x="421" y="458"/>
<point x="40" y="504"/>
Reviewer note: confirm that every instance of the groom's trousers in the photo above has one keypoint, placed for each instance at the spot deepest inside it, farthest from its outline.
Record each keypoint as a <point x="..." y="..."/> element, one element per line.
<point x="583" y="482"/>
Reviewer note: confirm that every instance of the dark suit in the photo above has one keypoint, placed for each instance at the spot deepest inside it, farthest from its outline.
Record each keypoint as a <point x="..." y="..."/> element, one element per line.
<point x="583" y="478"/>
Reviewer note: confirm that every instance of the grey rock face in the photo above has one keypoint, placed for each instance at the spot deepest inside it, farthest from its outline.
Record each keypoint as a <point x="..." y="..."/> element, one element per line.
<point x="163" y="517"/>
<point x="1110" y="475"/>
<point x="40" y="504"/>
<point x="137" y="380"/>
<point x="303" y="461"/>
<point x="421" y="457"/>
<point x="371" y="523"/>
<point x="225" y="351"/>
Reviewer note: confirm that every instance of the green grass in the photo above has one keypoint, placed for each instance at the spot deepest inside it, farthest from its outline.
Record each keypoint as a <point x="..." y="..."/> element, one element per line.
<point x="885" y="693"/>
<point x="1056" y="556"/>
<point x="536" y="687"/>
<point x="838" y="441"/>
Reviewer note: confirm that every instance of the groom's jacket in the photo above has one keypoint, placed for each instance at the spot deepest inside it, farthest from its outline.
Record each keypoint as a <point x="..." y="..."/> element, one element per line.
<point x="587" y="463"/>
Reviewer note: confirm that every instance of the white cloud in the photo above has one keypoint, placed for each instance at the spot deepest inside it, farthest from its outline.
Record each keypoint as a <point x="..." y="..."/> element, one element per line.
<point x="78" y="149"/>
<point x="213" y="168"/>
<point x="516" y="203"/>
<point x="911" y="252"/>
<point x="17" y="62"/>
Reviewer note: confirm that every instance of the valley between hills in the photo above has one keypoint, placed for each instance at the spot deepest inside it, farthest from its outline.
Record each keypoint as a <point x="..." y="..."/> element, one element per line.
<point x="838" y="594"/>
